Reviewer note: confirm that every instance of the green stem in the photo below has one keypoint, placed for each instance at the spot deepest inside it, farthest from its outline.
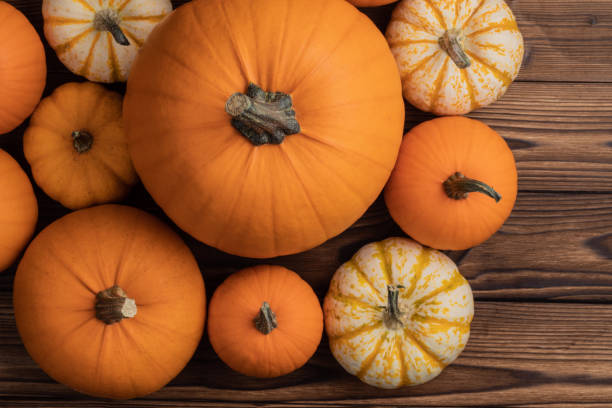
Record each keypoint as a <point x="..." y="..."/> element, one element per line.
<point x="262" y="117"/>
<point x="452" y="43"/>
<point x="393" y="314"/>
<point x="108" y="20"/>
<point x="457" y="187"/>
<point x="265" y="321"/>
<point x="82" y="141"/>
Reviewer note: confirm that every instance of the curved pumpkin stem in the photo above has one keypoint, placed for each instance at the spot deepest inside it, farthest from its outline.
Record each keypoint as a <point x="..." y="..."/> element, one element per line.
<point x="108" y="20"/>
<point x="262" y="117"/>
<point x="457" y="187"/>
<point x="452" y="43"/>
<point x="113" y="305"/>
<point x="82" y="141"/>
<point x="393" y="314"/>
<point x="265" y="321"/>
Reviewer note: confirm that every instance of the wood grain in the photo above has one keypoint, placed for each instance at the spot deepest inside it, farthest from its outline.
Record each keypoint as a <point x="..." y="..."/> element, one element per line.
<point x="518" y="353"/>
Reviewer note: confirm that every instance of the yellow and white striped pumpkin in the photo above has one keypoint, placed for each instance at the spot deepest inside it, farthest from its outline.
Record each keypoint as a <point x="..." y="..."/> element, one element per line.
<point x="455" y="56"/>
<point x="99" y="39"/>
<point x="397" y="313"/>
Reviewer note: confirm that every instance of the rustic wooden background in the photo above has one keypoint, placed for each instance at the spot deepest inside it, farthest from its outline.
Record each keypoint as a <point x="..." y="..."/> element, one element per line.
<point x="542" y="333"/>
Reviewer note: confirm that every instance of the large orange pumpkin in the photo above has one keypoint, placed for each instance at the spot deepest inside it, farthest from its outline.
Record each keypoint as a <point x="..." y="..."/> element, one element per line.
<point x="454" y="184"/>
<point x="18" y="210"/>
<point x="264" y="128"/>
<point x="109" y="301"/>
<point x="23" y="68"/>
<point x="77" y="147"/>
<point x="265" y="321"/>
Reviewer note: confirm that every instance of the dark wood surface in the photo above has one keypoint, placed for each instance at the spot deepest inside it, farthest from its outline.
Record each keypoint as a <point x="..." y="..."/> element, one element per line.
<point x="542" y="332"/>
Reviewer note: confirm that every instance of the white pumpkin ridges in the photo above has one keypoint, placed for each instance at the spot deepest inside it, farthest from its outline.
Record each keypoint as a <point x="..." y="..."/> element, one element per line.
<point x="437" y="298"/>
<point x="71" y="32"/>
<point x="489" y="35"/>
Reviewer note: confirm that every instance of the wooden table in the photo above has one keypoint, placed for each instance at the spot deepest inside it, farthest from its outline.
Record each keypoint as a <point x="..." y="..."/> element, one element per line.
<point x="542" y="332"/>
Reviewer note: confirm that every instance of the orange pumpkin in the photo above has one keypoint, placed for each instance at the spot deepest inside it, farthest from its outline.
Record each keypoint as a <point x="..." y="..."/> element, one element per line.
<point x="18" y="210"/>
<point x="270" y="132"/>
<point x="454" y="184"/>
<point x="23" y="68"/>
<point x="265" y="321"/>
<point x="109" y="301"/>
<point x="77" y="147"/>
<point x="370" y="3"/>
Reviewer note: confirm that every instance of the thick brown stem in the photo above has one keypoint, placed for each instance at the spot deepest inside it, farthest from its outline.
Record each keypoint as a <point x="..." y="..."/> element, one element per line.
<point x="82" y="141"/>
<point x="457" y="187"/>
<point x="452" y="43"/>
<point x="393" y="314"/>
<point x="108" y="20"/>
<point x="265" y="321"/>
<point x="262" y="117"/>
<point x="113" y="305"/>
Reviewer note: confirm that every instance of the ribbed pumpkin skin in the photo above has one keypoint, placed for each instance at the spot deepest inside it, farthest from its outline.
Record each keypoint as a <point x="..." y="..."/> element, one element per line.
<point x="18" y="210"/>
<point x="268" y="200"/>
<point x="436" y="300"/>
<point x="69" y="29"/>
<point x="431" y="80"/>
<point x="102" y="174"/>
<point x="237" y="302"/>
<point x="88" y="251"/>
<point x="23" y="68"/>
<point x="370" y="3"/>
<point x="430" y="153"/>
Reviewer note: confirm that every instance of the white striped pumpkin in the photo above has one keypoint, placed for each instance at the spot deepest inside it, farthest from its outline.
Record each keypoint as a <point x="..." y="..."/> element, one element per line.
<point x="397" y="313"/>
<point x="99" y="39"/>
<point x="455" y="56"/>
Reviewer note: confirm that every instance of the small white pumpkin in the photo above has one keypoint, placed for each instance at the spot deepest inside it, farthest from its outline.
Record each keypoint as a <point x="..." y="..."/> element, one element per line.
<point x="99" y="39"/>
<point x="397" y="313"/>
<point x="455" y="56"/>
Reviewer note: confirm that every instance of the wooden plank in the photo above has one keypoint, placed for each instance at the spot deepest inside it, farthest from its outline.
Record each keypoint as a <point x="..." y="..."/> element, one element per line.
<point x="553" y="246"/>
<point x="518" y="353"/>
<point x="564" y="40"/>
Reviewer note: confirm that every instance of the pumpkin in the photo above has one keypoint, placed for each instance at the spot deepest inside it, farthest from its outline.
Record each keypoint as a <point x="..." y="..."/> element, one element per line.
<point x="370" y="3"/>
<point x="454" y="184"/>
<point x="99" y="39"/>
<point x="265" y="321"/>
<point x="397" y="313"/>
<point x="77" y="148"/>
<point x="18" y="210"/>
<point x="254" y="135"/>
<point x="23" y="68"/>
<point x="109" y="301"/>
<point x="455" y="56"/>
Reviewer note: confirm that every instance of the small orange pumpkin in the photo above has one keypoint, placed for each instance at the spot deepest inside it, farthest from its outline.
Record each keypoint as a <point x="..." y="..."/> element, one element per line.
<point x="77" y="147"/>
<point x="109" y="301"/>
<point x="265" y="321"/>
<point x="18" y="210"/>
<point x="454" y="183"/>
<point x="370" y="3"/>
<point x="270" y="132"/>
<point x="23" y="68"/>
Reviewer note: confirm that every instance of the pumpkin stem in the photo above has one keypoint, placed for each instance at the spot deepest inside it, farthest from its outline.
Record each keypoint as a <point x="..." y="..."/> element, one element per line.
<point x="393" y="314"/>
<point x="108" y="20"/>
<point x="265" y="321"/>
<point x="262" y="117"/>
<point x="113" y="305"/>
<point x="452" y="43"/>
<point x="82" y="140"/>
<point x="457" y="187"/>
